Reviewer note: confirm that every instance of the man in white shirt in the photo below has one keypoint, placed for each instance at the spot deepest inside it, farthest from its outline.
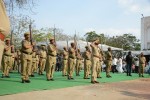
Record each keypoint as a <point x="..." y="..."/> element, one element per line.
<point x="114" y="62"/>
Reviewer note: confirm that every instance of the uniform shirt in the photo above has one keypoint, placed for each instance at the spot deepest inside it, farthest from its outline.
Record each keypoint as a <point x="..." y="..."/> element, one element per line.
<point x="4" y="21"/>
<point x="26" y="42"/>
<point x="34" y="57"/>
<point x="43" y="54"/>
<point x="79" y="57"/>
<point x="8" y="52"/>
<point x="95" y="50"/>
<point x="52" y="50"/>
<point x="109" y="55"/>
<point x="72" y="53"/>
<point x="87" y="55"/>
<point x="65" y="55"/>
<point x="142" y="60"/>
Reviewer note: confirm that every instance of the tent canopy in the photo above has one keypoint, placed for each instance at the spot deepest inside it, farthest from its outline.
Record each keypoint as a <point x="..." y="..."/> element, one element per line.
<point x="80" y="44"/>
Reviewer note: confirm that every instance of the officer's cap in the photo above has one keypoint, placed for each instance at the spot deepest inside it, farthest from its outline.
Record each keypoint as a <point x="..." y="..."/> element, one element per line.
<point x="64" y="47"/>
<point x="95" y="39"/>
<point x="27" y="33"/>
<point x="86" y="47"/>
<point x="7" y="39"/>
<point x="51" y="38"/>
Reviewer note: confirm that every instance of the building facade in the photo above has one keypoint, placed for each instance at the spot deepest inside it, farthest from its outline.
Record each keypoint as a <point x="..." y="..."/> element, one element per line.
<point x="145" y="33"/>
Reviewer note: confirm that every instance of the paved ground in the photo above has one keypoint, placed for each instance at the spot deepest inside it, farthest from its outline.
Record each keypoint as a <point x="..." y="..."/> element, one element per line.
<point x="128" y="90"/>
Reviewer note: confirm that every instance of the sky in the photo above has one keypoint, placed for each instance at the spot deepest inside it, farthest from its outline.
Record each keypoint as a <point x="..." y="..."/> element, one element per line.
<point x="111" y="17"/>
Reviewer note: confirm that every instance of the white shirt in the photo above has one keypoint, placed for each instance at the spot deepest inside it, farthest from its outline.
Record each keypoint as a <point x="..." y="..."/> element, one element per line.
<point x="114" y="62"/>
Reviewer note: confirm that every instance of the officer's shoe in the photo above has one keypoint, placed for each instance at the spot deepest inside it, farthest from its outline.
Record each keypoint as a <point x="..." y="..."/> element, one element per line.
<point x="96" y="81"/>
<point x="23" y="81"/>
<point x="32" y="75"/>
<point x="48" y="79"/>
<point x="93" y="82"/>
<point x="27" y="81"/>
<point x="99" y="77"/>
<point x="142" y="76"/>
<point x="7" y="76"/>
<point x="72" y="78"/>
<point x="52" y="79"/>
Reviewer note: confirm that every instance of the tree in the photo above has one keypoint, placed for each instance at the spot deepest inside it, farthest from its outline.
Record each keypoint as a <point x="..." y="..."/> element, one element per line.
<point x="125" y="41"/>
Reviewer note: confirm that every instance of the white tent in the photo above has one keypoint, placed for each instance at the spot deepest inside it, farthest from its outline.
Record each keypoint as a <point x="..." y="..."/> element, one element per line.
<point x="81" y="44"/>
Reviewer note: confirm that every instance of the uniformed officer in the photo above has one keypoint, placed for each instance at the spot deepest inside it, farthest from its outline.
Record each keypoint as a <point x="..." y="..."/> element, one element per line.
<point x="100" y="63"/>
<point x="42" y="59"/>
<point x="78" y="62"/>
<point x="4" y="27"/>
<point x="26" y="58"/>
<point x="95" y="60"/>
<point x="51" y="59"/>
<point x="142" y="62"/>
<point x="65" y="62"/>
<point x="18" y="61"/>
<point x="13" y="61"/>
<point x="109" y="62"/>
<point x="33" y="67"/>
<point x="7" y="58"/>
<point x="87" y="62"/>
<point x="72" y="61"/>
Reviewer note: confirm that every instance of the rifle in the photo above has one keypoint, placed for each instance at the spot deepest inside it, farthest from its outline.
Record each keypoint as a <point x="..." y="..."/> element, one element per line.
<point x="11" y="42"/>
<point x="75" y="42"/>
<point x="54" y="34"/>
<point x="31" y="39"/>
<point x="67" y="45"/>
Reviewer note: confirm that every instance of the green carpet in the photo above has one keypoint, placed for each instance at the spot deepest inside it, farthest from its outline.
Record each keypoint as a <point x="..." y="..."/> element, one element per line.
<point x="13" y="85"/>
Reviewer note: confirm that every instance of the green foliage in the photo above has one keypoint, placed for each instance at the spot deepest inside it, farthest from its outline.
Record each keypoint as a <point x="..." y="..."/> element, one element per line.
<point x="125" y="41"/>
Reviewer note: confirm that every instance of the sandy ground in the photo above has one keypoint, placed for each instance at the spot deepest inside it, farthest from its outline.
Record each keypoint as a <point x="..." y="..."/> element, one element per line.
<point x="128" y="90"/>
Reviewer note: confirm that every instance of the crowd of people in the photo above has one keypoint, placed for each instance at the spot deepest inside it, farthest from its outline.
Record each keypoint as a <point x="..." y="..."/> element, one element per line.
<point x="30" y="59"/>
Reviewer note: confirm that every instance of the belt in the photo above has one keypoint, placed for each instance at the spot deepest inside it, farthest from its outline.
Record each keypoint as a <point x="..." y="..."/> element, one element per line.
<point x="8" y="55"/>
<point x="51" y="55"/>
<point x="26" y="53"/>
<point x="72" y="57"/>
<point x="65" y="59"/>
<point x="42" y="57"/>
<point x="2" y="36"/>
<point x="87" y="59"/>
<point x="95" y="56"/>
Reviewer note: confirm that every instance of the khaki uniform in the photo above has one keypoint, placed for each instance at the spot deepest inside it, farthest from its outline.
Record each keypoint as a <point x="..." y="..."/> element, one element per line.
<point x="51" y="61"/>
<point x="100" y="63"/>
<point x="87" y="64"/>
<point x="18" y="61"/>
<point x="33" y="68"/>
<point x="42" y="60"/>
<point x="95" y="62"/>
<point x="72" y="62"/>
<point x="37" y="63"/>
<point x="4" y="27"/>
<point x="78" y="64"/>
<point x="142" y="61"/>
<point x="26" y="60"/>
<point x="7" y="63"/>
<point x="65" y="63"/>
<point x="13" y="61"/>
<point x="108" y="63"/>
